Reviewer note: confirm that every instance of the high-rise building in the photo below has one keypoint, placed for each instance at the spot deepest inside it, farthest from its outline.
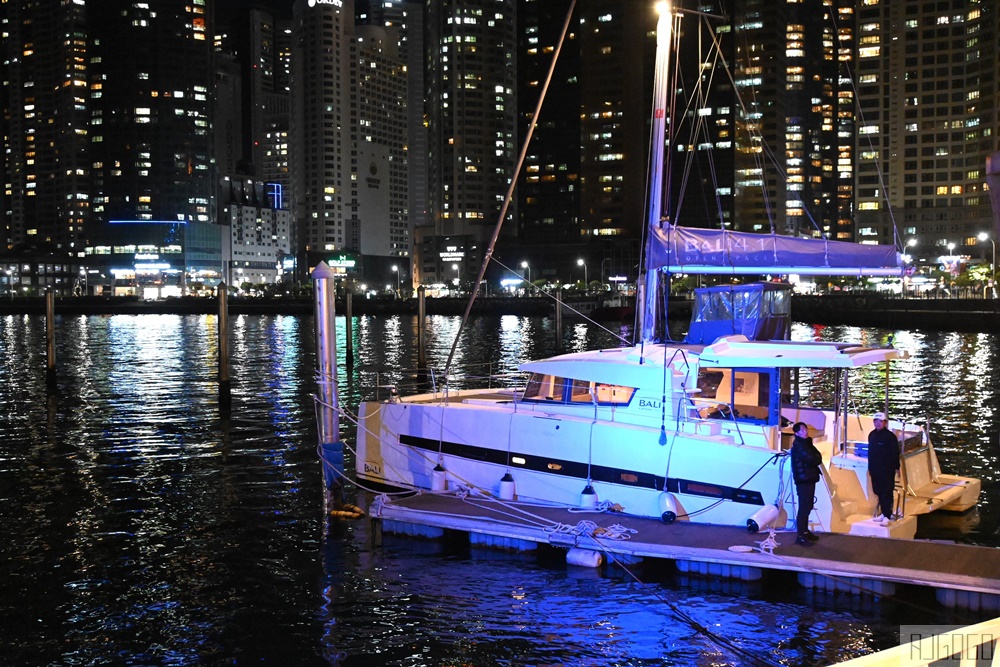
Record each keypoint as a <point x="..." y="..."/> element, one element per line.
<point x="378" y="190"/>
<point x="109" y="153"/>
<point x="320" y="128"/>
<point x="617" y="48"/>
<point x="261" y="44"/>
<point x="152" y="174"/>
<point x="348" y="141"/>
<point x="549" y="185"/>
<point x="46" y="115"/>
<point x="581" y="187"/>
<point x="407" y="17"/>
<point x="471" y="115"/>
<point x="927" y="89"/>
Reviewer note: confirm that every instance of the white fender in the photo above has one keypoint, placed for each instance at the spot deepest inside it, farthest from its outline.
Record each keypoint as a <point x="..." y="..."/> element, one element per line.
<point x="507" y="487"/>
<point x="668" y="507"/>
<point x="584" y="557"/>
<point x="439" y="479"/>
<point x="762" y="518"/>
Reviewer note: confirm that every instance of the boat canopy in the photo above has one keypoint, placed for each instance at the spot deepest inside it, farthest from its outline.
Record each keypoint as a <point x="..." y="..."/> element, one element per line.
<point x="759" y="311"/>
<point x="739" y="352"/>
<point x="678" y="249"/>
<point x="619" y="367"/>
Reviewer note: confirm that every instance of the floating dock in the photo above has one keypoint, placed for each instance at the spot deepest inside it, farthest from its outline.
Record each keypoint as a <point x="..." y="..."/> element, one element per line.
<point x="963" y="576"/>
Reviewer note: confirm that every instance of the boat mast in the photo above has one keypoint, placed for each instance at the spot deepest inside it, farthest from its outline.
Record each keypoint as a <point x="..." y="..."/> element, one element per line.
<point x="649" y="292"/>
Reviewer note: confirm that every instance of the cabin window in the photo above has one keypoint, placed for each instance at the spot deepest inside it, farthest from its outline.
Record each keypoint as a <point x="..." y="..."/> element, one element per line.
<point x="750" y="393"/>
<point x="552" y="388"/>
<point x="543" y="387"/>
<point x="581" y="392"/>
<point x="708" y="383"/>
<point x="603" y="394"/>
<point x="613" y="394"/>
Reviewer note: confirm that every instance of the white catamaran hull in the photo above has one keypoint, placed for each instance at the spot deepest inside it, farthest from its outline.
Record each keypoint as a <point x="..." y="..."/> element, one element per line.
<point x="642" y="456"/>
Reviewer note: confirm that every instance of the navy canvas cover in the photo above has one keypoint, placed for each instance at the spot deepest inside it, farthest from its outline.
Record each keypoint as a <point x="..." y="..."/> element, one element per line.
<point x="759" y="311"/>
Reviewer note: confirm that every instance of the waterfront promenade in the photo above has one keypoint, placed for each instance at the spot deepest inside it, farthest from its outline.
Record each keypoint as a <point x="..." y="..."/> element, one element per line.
<point x="854" y="308"/>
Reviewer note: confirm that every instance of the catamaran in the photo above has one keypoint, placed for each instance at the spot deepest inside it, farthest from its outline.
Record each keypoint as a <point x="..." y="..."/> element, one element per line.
<point x="696" y="430"/>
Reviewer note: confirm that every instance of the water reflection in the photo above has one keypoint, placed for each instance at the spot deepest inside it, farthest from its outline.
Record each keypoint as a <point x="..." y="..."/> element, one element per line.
<point x="145" y="526"/>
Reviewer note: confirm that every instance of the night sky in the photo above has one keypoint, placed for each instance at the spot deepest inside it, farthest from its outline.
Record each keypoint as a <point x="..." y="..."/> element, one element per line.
<point x="225" y="9"/>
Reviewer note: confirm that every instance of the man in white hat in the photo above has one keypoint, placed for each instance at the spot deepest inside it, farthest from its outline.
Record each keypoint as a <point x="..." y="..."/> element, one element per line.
<point x="883" y="462"/>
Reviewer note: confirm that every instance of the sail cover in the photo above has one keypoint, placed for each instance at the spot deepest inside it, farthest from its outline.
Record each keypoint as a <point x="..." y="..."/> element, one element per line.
<point x="714" y="251"/>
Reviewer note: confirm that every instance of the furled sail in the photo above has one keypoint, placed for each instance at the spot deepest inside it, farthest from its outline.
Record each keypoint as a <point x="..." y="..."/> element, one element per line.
<point x="714" y="251"/>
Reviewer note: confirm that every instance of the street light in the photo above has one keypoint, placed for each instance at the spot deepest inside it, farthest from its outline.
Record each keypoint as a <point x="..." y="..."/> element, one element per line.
<point x="395" y="269"/>
<point x="455" y="266"/>
<point x="582" y="263"/>
<point x="10" y="283"/>
<point x="993" y="264"/>
<point x="524" y="265"/>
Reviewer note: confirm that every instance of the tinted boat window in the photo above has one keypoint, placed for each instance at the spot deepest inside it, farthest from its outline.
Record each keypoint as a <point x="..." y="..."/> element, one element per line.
<point x="544" y="388"/>
<point x="551" y="388"/>
<point x="708" y="382"/>
<point x="581" y="392"/>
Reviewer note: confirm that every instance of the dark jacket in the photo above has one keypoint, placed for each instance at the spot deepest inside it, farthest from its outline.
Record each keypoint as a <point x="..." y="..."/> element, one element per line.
<point x="806" y="460"/>
<point x="883" y="451"/>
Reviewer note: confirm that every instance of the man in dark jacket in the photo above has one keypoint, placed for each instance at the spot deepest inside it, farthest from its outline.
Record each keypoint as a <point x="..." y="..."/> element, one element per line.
<point x="806" y="461"/>
<point x="883" y="462"/>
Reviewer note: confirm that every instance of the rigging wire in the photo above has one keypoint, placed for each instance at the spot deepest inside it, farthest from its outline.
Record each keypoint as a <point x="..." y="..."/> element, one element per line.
<point x="555" y="298"/>
<point x="876" y="154"/>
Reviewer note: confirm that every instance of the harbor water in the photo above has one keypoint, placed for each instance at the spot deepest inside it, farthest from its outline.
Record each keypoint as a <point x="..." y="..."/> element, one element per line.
<point x="142" y="526"/>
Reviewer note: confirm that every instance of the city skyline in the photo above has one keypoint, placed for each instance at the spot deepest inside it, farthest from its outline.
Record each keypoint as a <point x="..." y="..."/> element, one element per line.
<point x="841" y="128"/>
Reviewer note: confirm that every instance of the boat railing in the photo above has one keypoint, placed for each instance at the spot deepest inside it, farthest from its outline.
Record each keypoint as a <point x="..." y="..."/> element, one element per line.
<point x="831" y="489"/>
<point x="725" y="411"/>
<point x="910" y="443"/>
<point x="402" y="382"/>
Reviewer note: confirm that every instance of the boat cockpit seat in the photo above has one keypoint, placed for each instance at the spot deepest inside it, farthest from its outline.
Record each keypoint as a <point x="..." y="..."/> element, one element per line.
<point x="811" y="417"/>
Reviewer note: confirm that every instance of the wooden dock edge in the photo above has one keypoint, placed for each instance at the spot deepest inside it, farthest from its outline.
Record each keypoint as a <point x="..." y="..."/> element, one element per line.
<point x="952" y="590"/>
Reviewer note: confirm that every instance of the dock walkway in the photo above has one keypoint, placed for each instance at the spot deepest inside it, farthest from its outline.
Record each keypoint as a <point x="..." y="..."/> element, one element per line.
<point x="948" y="567"/>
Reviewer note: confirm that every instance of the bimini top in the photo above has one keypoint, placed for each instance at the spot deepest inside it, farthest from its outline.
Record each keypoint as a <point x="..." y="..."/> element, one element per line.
<point x="640" y="366"/>
<point x="643" y="366"/>
<point x="738" y="351"/>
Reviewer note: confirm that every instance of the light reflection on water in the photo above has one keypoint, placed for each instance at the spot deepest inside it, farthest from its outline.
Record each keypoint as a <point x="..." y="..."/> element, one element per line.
<point x="143" y="526"/>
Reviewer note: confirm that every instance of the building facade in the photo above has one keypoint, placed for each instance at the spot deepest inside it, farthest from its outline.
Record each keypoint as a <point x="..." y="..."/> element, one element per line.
<point x="259" y="245"/>
<point x="928" y="98"/>
<point x="470" y="101"/>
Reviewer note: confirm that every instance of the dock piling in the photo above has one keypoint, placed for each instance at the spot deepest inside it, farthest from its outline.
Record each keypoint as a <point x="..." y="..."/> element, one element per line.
<point x="325" y="316"/>
<point x="559" y="314"/>
<point x="421" y="327"/>
<point x="50" y="340"/>
<point x="348" y="329"/>
<point x="225" y="390"/>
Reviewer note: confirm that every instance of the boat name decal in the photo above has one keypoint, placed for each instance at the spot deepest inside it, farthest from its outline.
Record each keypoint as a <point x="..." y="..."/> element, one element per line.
<point x="648" y="403"/>
<point x="373" y="469"/>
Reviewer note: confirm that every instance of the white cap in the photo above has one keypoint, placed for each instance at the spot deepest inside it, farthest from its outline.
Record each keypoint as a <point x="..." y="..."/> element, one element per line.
<point x="879" y="415"/>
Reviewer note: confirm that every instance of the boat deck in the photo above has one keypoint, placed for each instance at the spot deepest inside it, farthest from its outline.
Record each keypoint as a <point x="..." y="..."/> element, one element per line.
<point x="942" y="565"/>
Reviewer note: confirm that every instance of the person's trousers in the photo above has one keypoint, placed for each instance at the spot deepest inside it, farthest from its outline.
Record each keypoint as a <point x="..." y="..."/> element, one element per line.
<point x="807" y="494"/>
<point x="883" y="485"/>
